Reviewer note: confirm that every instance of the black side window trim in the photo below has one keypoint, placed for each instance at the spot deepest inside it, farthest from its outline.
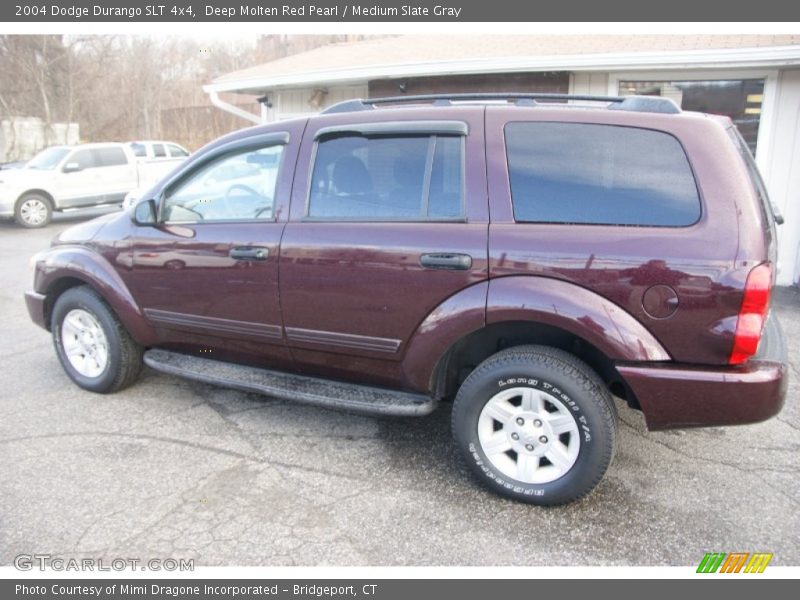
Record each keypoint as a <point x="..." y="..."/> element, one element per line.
<point x="393" y="128"/>
<point x="334" y="131"/>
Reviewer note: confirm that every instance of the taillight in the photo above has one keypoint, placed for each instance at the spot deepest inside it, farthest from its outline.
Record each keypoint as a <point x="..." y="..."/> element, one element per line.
<point x="752" y="314"/>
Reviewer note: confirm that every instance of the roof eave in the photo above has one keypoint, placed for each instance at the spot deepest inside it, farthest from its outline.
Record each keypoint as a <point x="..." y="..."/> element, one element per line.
<point x="770" y="56"/>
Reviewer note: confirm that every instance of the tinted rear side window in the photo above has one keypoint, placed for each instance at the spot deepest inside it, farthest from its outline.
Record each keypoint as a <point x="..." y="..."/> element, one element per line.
<point x="599" y="174"/>
<point x="109" y="157"/>
<point x="406" y="177"/>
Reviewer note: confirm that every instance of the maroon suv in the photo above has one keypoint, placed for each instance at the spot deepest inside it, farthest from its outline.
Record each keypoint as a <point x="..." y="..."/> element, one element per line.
<point x="526" y="256"/>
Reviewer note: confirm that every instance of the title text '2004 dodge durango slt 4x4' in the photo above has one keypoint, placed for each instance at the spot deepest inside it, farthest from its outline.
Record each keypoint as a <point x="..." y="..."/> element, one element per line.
<point x="523" y="257"/>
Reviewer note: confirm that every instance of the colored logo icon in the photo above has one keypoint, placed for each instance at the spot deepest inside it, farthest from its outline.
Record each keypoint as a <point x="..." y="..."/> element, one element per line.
<point x="735" y="562"/>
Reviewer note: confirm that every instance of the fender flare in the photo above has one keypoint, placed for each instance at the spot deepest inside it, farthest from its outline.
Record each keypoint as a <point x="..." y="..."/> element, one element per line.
<point x="81" y="263"/>
<point x="458" y="316"/>
<point x="566" y="306"/>
<point x="577" y="310"/>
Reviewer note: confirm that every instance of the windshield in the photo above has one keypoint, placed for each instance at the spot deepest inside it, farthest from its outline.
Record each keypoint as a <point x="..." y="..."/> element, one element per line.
<point x="47" y="159"/>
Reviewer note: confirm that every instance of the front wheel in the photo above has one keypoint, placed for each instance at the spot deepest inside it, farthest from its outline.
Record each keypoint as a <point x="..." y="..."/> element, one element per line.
<point x="535" y="424"/>
<point x="94" y="348"/>
<point x="33" y="210"/>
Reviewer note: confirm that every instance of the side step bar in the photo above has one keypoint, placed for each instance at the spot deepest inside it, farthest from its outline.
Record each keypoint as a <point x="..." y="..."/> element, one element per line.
<point x="288" y="386"/>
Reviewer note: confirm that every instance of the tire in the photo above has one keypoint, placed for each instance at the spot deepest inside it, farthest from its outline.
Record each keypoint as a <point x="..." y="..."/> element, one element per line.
<point x="33" y="211"/>
<point x="535" y="424"/>
<point x="94" y="348"/>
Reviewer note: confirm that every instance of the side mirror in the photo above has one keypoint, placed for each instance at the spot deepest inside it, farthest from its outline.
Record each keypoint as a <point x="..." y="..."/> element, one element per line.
<point x="776" y="214"/>
<point x="72" y="167"/>
<point x="145" y="213"/>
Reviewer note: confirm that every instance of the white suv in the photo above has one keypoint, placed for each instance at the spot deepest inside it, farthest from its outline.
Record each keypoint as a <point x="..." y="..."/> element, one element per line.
<point x="70" y="177"/>
<point x="158" y="150"/>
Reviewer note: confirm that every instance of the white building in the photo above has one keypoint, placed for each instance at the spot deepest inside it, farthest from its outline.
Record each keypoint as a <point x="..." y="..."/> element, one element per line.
<point x="755" y="79"/>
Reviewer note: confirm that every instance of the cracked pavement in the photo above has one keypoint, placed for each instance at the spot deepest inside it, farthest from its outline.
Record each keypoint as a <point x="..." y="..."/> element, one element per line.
<point x="171" y="468"/>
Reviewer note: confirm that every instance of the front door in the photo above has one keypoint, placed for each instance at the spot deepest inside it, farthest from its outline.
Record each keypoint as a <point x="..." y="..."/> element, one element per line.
<point x="79" y="180"/>
<point x="207" y="275"/>
<point x="389" y="220"/>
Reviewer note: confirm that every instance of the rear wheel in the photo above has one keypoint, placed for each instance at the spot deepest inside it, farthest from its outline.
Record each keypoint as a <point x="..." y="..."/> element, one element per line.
<point x="94" y="348"/>
<point x="535" y="424"/>
<point x="33" y="210"/>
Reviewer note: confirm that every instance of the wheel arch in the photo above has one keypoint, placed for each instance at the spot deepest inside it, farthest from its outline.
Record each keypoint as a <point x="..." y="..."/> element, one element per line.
<point x="468" y="352"/>
<point x="517" y="310"/>
<point x="47" y="196"/>
<point x="61" y="269"/>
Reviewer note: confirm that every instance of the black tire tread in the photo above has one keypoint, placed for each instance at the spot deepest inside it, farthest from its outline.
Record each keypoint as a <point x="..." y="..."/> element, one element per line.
<point x="130" y="352"/>
<point x="569" y="365"/>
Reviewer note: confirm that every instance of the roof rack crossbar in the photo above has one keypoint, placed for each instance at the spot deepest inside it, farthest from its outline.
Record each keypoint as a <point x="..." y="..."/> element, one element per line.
<point x="628" y="103"/>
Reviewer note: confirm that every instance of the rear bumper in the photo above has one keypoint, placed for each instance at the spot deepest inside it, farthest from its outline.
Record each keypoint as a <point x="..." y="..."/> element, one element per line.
<point x="35" y="303"/>
<point x="673" y="396"/>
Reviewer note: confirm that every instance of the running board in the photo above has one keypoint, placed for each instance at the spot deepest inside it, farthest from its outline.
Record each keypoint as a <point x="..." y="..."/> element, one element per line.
<point x="288" y="386"/>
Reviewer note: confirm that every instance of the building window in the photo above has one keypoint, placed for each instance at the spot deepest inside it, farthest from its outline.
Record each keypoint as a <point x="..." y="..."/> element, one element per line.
<point x="739" y="99"/>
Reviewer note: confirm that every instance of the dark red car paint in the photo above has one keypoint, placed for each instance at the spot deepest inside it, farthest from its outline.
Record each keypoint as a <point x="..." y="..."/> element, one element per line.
<point x="350" y="300"/>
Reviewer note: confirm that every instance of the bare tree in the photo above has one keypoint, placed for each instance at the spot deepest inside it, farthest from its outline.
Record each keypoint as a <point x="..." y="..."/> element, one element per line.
<point x="132" y="87"/>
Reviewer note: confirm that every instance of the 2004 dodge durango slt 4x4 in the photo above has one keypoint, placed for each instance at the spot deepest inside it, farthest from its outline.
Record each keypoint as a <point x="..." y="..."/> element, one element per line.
<point x="523" y="258"/>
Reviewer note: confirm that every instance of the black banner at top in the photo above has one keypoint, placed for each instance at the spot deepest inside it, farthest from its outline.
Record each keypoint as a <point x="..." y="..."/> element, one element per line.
<point x="399" y="11"/>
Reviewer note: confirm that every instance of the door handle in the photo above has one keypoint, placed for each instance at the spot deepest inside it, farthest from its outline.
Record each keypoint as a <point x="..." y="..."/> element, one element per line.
<point x="448" y="261"/>
<point x="249" y="253"/>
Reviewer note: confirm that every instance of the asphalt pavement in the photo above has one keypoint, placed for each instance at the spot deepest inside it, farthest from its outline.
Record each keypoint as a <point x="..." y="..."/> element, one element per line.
<point x="172" y="468"/>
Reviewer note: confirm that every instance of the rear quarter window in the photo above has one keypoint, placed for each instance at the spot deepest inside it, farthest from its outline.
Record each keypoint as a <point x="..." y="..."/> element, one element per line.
<point x="599" y="174"/>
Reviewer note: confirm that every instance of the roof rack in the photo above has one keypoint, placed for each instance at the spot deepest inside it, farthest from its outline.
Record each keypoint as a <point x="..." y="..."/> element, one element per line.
<point x="652" y="104"/>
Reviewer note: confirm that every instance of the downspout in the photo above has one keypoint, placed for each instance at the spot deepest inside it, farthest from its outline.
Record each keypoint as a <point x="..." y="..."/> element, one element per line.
<point x="234" y="110"/>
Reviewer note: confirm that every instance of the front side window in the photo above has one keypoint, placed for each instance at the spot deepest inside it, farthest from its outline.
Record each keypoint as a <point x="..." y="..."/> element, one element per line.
<point x="599" y="174"/>
<point x="82" y="159"/>
<point x="238" y="187"/>
<point x="412" y="177"/>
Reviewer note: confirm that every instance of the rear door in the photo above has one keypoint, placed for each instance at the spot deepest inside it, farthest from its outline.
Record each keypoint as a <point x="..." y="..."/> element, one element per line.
<point x="116" y="173"/>
<point x="388" y="220"/>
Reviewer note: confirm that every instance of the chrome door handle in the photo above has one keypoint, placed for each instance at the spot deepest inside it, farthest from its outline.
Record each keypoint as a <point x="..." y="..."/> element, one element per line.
<point x="447" y="261"/>
<point x="249" y="253"/>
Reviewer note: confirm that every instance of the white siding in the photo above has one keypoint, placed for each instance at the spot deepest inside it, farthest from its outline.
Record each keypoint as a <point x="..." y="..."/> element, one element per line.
<point x="782" y="173"/>
<point x="589" y="83"/>
<point x="290" y="103"/>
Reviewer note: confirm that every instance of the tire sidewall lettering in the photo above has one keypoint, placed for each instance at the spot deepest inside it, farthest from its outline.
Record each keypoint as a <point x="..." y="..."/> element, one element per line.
<point x="545" y="386"/>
